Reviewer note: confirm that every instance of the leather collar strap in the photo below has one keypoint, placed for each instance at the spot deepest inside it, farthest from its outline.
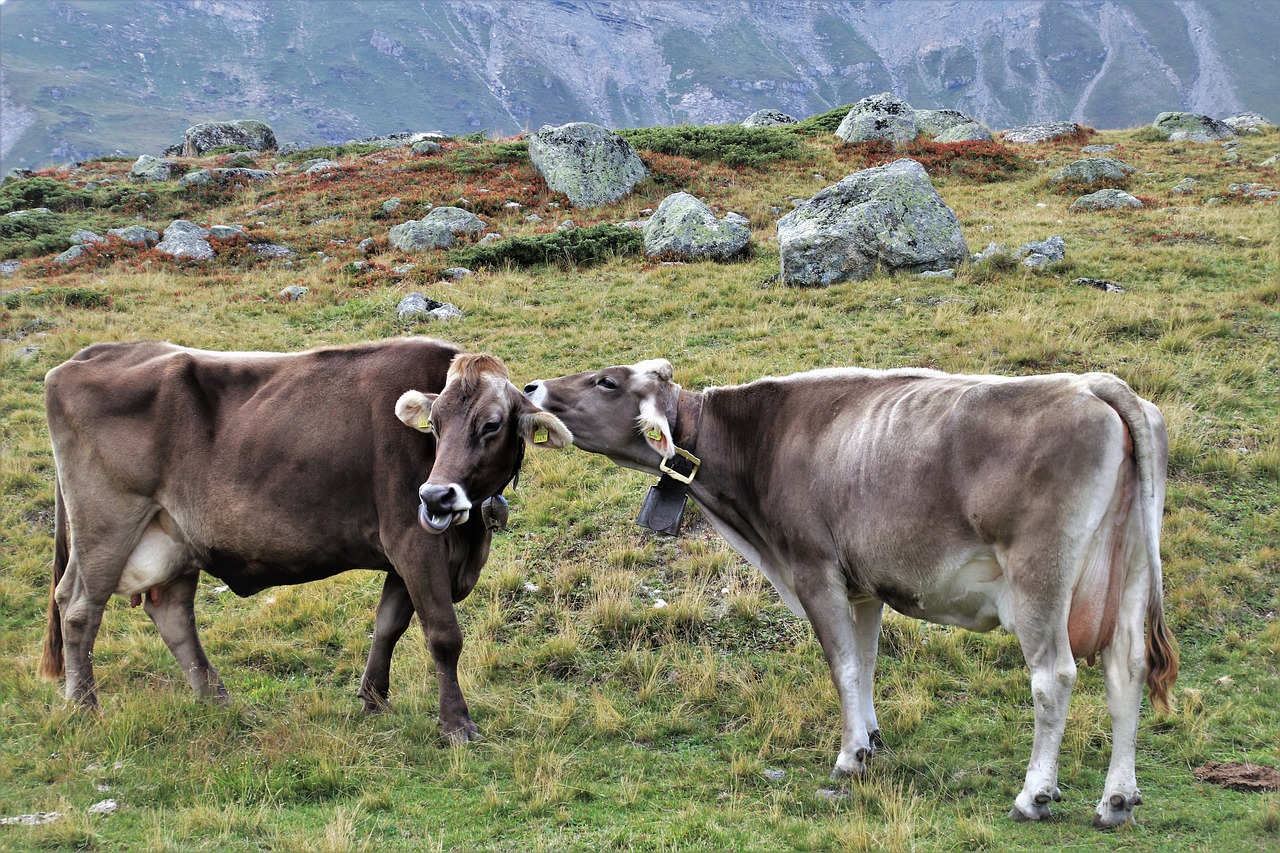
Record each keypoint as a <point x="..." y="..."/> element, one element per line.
<point x="663" y="506"/>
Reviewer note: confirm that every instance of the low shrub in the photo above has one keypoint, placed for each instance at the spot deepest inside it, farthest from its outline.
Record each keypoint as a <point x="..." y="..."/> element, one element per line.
<point x="730" y="144"/>
<point x="823" y="123"/>
<point x="984" y="162"/>
<point x="41" y="192"/>
<point x="474" y="159"/>
<point x="333" y="152"/>
<point x="578" y="247"/>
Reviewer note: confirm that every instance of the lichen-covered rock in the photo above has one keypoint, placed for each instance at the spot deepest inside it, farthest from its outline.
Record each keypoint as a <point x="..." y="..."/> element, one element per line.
<point x="1094" y="170"/>
<point x="225" y="232"/>
<point x="1186" y="186"/>
<point x="183" y="239"/>
<point x="425" y="147"/>
<point x="684" y="227"/>
<point x="1240" y="122"/>
<point x="586" y="162"/>
<point x="970" y="131"/>
<point x="84" y="236"/>
<point x="1097" y="149"/>
<point x="1191" y="127"/>
<point x="882" y="116"/>
<point x="937" y="122"/>
<point x="1042" y="132"/>
<point x="8" y="268"/>
<point x="199" y="177"/>
<point x="271" y="251"/>
<point x="415" y="236"/>
<point x="767" y="118"/>
<point x="1253" y="191"/>
<point x="135" y="235"/>
<point x="416" y="305"/>
<point x="886" y="218"/>
<point x="1105" y="200"/>
<point x="69" y="255"/>
<point x="319" y="166"/>
<point x="457" y="220"/>
<point x="18" y="174"/>
<point x="231" y="173"/>
<point x="148" y="168"/>
<point x="202" y="138"/>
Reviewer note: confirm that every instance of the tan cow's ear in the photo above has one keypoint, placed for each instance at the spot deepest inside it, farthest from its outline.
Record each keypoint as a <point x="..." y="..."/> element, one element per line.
<point x="414" y="409"/>
<point x="653" y="425"/>
<point x="543" y="429"/>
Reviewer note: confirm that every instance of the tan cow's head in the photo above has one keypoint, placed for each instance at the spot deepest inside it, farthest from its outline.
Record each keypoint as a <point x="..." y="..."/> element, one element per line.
<point x="480" y="422"/>
<point x="623" y="412"/>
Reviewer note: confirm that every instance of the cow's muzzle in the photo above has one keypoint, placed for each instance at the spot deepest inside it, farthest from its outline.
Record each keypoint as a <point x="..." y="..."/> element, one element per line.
<point x="442" y="506"/>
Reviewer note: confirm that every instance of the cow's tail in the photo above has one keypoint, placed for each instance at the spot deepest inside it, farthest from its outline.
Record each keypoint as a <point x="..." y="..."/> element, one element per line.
<point x="52" y="664"/>
<point x="1162" y="648"/>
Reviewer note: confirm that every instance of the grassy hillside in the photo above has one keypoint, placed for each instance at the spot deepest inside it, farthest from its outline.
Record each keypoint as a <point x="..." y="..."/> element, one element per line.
<point x="610" y="722"/>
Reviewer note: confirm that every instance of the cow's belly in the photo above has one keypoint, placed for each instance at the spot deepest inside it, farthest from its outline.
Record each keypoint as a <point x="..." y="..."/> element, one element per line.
<point x="157" y="559"/>
<point x="974" y="595"/>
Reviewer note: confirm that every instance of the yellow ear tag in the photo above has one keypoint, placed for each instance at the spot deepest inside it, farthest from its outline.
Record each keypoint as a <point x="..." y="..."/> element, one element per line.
<point x="426" y="425"/>
<point x="655" y="434"/>
<point x="541" y="436"/>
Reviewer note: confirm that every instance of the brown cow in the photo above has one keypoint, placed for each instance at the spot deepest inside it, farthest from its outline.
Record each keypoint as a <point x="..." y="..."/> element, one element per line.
<point x="265" y="469"/>
<point x="1031" y="503"/>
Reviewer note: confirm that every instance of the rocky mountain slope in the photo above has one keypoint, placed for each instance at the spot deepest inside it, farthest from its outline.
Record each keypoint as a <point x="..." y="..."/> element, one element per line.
<point x="80" y="78"/>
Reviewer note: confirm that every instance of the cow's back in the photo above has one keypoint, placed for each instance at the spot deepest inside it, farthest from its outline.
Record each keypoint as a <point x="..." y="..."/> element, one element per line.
<point x="277" y="468"/>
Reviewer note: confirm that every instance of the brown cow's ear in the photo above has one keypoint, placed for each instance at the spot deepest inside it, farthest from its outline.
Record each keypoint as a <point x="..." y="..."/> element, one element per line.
<point x="543" y="429"/>
<point x="414" y="409"/>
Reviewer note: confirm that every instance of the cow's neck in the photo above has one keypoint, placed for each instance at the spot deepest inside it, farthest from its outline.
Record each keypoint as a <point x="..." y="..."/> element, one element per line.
<point x="687" y="420"/>
<point x="729" y="445"/>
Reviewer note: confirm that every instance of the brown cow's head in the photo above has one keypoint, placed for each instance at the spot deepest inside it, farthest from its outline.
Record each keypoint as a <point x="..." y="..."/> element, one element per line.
<point x="480" y="422"/>
<point x="623" y="412"/>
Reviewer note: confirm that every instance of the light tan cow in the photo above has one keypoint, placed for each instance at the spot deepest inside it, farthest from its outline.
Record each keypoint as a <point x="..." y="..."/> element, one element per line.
<point x="1030" y="503"/>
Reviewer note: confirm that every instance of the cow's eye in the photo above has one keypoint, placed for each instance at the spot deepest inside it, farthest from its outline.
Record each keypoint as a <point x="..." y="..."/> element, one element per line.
<point x="491" y="427"/>
<point x="607" y="382"/>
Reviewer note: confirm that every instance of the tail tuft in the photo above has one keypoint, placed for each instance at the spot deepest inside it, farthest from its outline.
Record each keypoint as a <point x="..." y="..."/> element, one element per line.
<point x="1162" y="659"/>
<point x="52" y="665"/>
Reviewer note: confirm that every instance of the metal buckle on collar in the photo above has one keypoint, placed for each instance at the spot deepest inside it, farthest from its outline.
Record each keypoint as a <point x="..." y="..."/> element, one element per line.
<point x="677" y="475"/>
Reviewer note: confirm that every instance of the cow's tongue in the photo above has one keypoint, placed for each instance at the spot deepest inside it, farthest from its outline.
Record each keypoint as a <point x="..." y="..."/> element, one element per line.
<point x="433" y="523"/>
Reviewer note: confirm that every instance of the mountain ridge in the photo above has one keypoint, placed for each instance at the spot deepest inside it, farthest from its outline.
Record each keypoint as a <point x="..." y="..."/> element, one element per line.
<point x="79" y="78"/>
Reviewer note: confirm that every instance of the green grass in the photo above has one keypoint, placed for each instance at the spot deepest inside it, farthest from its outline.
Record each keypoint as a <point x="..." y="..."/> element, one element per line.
<point x="609" y="723"/>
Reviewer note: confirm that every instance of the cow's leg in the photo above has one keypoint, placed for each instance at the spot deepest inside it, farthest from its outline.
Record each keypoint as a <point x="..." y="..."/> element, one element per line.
<point x="1125" y="665"/>
<point x="172" y="609"/>
<point x="1043" y="635"/>
<point x="866" y="627"/>
<point x="430" y="590"/>
<point x="96" y="559"/>
<point x="825" y="600"/>
<point x="395" y="612"/>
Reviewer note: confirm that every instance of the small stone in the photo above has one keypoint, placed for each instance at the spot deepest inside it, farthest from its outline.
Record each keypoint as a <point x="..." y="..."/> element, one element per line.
<point x="272" y="251"/>
<point x="8" y="268"/>
<point x="367" y="245"/>
<point x="490" y="238"/>
<point x="1101" y="284"/>
<point x="415" y="304"/>
<point x="403" y="268"/>
<point x="225" y="232"/>
<point x="533" y="217"/>
<point x="513" y="205"/>
<point x="947" y="273"/>
<point x="455" y="273"/>
<point x="447" y="311"/>
<point x="293" y="293"/>
<point x="390" y="205"/>
<point x="775" y="775"/>
<point x="104" y="807"/>
<point x="567" y="225"/>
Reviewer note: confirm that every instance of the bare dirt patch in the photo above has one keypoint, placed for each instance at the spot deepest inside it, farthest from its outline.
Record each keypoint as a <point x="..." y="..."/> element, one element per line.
<point x="1239" y="776"/>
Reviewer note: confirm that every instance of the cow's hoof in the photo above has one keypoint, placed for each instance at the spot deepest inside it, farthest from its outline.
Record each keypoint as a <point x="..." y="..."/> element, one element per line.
<point x="854" y="766"/>
<point x="1037" y="808"/>
<point x="464" y="733"/>
<point x="1116" y="810"/>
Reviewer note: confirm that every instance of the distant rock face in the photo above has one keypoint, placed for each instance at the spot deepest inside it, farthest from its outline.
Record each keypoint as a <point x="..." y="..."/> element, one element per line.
<point x="148" y="168"/>
<point x="202" y="138"/>
<point x="684" y="227"/>
<point x="880" y="116"/>
<point x="586" y="162"/>
<point x="889" y="217"/>
<point x="1094" y="170"/>
<point x="767" y="118"/>
<point x="970" y="131"/>
<point x="1191" y="127"/>
<point x="1044" y="132"/>
<point x="1106" y="200"/>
